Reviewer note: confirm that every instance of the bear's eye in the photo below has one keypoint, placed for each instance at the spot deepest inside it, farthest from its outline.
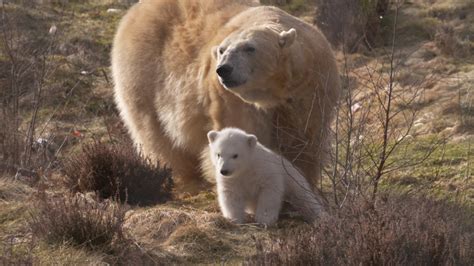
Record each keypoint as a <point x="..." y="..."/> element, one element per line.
<point x="221" y="50"/>
<point x="249" y="49"/>
<point x="218" y="155"/>
<point x="235" y="156"/>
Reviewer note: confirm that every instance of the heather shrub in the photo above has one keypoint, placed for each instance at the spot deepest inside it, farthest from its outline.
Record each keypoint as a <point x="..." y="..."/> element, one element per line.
<point x="82" y="223"/>
<point x="78" y="220"/>
<point x="117" y="171"/>
<point x="396" y="231"/>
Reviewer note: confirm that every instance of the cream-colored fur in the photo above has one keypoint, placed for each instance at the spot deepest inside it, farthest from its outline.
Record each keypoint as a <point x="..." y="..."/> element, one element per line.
<point x="169" y="95"/>
<point x="251" y="177"/>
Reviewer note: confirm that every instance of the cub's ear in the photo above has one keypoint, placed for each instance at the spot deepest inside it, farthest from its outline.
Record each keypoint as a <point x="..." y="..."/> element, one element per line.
<point x="214" y="51"/>
<point x="252" y="140"/>
<point x="212" y="135"/>
<point x="287" y="38"/>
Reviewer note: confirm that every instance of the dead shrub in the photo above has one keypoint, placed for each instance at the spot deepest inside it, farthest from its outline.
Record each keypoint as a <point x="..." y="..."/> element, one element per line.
<point x="78" y="220"/>
<point x="397" y="231"/>
<point x="117" y="171"/>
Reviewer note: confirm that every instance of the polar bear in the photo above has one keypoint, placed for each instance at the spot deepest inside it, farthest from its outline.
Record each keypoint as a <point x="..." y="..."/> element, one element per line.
<point x="251" y="177"/>
<point x="184" y="67"/>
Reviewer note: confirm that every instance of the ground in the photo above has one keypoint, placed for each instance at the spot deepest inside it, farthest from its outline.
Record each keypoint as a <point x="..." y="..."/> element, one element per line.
<point x="436" y="45"/>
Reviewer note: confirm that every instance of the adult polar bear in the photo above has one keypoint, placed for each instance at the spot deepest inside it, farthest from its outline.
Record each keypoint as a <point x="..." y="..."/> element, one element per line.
<point x="276" y="78"/>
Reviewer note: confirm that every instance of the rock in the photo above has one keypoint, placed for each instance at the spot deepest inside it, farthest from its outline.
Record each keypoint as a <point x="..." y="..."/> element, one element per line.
<point x="114" y="10"/>
<point x="355" y="107"/>
<point x="53" y="30"/>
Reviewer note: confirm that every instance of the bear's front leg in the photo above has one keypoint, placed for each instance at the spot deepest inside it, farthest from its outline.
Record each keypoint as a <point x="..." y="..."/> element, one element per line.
<point x="269" y="205"/>
<point x="232" y="206"/>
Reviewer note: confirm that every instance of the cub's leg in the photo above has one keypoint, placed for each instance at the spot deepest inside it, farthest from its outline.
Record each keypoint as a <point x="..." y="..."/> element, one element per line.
<point x="269" y="205"/>
<point x="232" y="206"/>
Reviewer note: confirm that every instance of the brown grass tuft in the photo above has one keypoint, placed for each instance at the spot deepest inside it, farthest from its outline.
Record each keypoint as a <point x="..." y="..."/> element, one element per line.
<point x="117" y="171"/>
<point x="398" y="231"/>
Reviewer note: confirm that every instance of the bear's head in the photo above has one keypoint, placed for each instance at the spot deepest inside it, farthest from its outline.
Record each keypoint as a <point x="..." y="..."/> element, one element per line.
<point x="253" y="65"/>
<point x="231" y="151"/>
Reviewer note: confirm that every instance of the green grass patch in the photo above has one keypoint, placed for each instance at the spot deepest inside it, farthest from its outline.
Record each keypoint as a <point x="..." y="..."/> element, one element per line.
<point x="447" y="173"/>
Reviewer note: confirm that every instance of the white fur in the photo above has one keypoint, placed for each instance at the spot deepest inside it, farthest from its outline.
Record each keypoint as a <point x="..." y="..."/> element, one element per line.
<point x="257" y="180"/>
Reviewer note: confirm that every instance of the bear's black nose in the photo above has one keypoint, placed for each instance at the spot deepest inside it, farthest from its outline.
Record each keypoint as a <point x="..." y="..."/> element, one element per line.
<point x="224" y="172"/>
<point x="224" y="71"/>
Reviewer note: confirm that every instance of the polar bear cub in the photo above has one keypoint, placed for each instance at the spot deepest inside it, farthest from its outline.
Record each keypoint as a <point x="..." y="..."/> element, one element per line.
<point x="251" y="178"/>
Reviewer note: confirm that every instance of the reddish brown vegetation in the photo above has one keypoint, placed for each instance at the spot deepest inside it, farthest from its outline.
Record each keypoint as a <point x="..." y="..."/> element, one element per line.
<point x="117" y="171"/>
<point x="78" y="220"/>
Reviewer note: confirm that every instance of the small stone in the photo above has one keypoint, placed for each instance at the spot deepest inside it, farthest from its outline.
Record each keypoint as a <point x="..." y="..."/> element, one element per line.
<point x="113" y="10"/>
<point x="53" y="30"/>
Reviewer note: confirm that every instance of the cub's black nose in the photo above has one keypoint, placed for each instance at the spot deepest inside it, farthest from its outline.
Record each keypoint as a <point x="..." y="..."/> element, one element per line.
<point x="224" y="172"/>
<point x="224" y="71"/>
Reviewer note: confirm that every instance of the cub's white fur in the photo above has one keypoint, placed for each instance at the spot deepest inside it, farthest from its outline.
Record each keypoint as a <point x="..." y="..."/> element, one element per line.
<point x="252" y="178"/>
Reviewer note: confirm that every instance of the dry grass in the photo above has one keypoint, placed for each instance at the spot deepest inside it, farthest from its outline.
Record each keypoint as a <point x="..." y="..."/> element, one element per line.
<point x="398" y="231"/>
<point x="11" y="190"/>
<point x="185" y="234"/>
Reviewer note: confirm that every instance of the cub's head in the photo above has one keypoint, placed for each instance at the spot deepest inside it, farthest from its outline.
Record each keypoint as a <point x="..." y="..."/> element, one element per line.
<point x="251" y="63"/>
<point x="231" y="150"/>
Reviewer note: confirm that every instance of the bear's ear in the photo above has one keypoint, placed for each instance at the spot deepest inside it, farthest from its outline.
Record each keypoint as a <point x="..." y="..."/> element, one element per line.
<point x="252" y="140"/>
<point x="287" y="38"/>
<point x="214" y="51"/>
<point x="212" y="135"/>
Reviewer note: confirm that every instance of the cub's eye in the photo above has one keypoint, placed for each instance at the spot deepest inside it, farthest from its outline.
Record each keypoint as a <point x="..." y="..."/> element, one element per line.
<point x="235" y="156"/>
<point x="221" y="50"/>
<point x="249" y="49"/>
<point x="218" y="155"/>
